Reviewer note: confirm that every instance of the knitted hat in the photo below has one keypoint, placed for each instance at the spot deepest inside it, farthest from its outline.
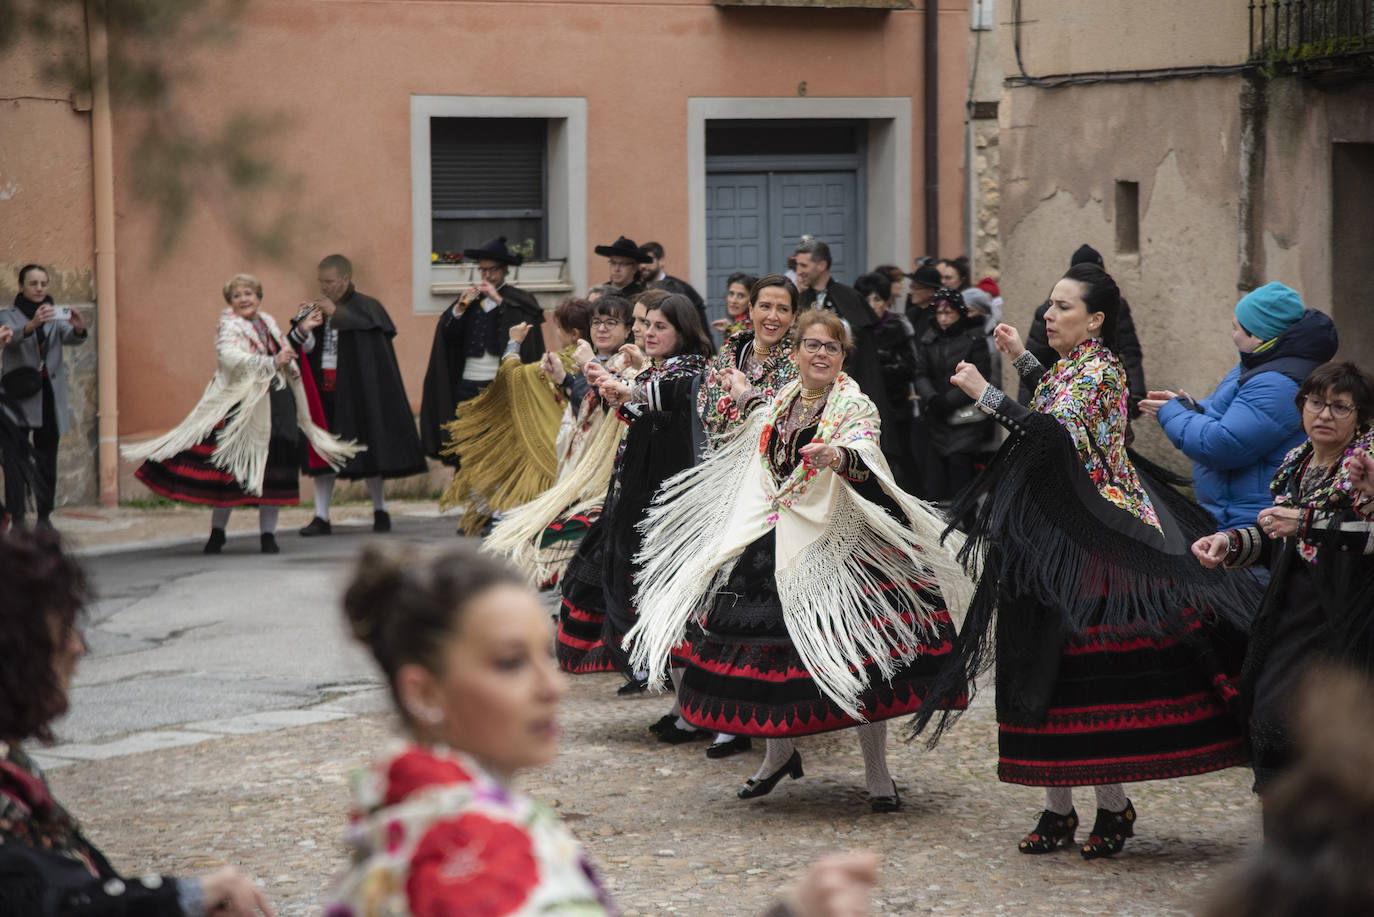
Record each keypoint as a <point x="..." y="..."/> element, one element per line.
<point x="1269" y="311"/>
<point x="1086" y="253"/>
<point x="989" y="286"/>
<point x="978" y="300"/>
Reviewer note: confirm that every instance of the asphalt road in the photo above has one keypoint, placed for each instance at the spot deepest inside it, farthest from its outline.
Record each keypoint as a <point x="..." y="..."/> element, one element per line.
<point x="177" y="636"/>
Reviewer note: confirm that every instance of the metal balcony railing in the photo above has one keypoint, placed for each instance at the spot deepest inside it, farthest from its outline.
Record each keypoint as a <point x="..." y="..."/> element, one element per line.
<point x="1312" y="34"/>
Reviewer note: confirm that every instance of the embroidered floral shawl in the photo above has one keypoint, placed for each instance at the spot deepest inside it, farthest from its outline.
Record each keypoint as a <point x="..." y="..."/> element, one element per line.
<point x="1334" y="494"/>
<point x="833" y="549"/>
<point x="434" y="834"/>
<point x="1086" y="392"/>
<point x="718" y="410"/>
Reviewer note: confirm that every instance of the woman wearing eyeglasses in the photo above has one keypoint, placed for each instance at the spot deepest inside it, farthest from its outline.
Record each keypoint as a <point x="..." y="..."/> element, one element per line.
<point x="1319" y="545"/>
<point x="808" y="584"/>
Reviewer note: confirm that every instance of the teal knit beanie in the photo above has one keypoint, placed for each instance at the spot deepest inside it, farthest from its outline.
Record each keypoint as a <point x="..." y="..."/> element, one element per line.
<point x="1269" y="311"/>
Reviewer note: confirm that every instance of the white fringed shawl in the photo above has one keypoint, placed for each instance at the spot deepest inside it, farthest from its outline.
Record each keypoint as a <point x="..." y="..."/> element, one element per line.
<point x="833" y="549"/>
<point x="246" y="373"/>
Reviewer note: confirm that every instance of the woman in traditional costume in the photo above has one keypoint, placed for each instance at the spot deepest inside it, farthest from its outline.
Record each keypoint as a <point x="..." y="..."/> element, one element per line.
<point x="240" y="444"/>
<point x="1318" y="541"/>
<point x="504" y="439"/>
<point x="1115" y="652"/>
<point x="439" y="826"/>
<point x="808" y="584"/>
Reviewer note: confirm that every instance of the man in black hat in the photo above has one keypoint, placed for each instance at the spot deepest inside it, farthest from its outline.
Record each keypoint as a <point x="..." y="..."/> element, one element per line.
<point x="925" y="280"/>
<point x="821" y="291"/>
<point x="1127" y="341"/>
<point x="625" y="258"/>
<point x="355" y="376"/>
<point x="471" y="339"/>
<point x="654" y="277"/>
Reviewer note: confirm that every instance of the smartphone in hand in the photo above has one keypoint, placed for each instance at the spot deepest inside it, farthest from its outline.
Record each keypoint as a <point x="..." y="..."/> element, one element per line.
<point x="62" y="313"/>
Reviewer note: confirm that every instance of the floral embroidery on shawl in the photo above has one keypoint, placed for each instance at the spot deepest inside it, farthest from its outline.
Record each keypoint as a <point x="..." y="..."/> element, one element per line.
<point x="434" y="834"/>
<point x="718" y="410"/>
<point x="1086" y="393"/>
<point x="1335" y="493"/>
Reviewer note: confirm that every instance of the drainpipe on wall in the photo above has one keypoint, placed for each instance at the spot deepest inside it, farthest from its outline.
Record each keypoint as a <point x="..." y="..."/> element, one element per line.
<point x="932" y="138"/>
<point x="102" y="162"/>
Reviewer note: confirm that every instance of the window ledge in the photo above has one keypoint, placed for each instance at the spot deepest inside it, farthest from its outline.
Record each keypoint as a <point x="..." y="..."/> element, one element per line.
<point x="532" y="276"/>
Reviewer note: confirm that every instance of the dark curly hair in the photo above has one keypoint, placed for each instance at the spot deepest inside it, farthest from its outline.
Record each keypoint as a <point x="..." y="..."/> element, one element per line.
<point x="43" y="591"/>
<point x="403" y="608"/>
<point x="1341" y="379"/>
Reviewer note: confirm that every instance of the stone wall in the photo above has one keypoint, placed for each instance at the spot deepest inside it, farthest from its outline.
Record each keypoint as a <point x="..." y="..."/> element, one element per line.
<point x="985" y="259"/>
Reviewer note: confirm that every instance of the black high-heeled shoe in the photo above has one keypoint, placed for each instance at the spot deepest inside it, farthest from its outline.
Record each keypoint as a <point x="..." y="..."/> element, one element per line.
<point x="754" y="788"/>
<point x="887" y="803"/>
<point x="1110" y="830"/>
<point x="216" y="543"/>
<point x="1051" y="832"/>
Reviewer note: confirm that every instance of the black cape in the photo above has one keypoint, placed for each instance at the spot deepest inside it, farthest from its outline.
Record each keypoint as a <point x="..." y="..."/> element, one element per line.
<point x="439" y="398"/>
<point x="369" y="402"/>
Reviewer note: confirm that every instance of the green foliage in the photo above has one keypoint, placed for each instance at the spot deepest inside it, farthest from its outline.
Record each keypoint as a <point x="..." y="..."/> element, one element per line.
<point x="178" y="167"/>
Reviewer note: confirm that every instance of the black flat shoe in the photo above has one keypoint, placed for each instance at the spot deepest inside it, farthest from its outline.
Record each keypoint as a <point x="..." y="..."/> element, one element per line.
<point x="317" y="526"/>
<point x="887" y="803"/>
<point x="381" y="520"/>
<point x="675" y="735"/>
<point x="1051" y="832"/>
<point x="753" y="788"/>
<point x="732" y="747"/>
<point x="216" y="542"/>
<point x="662" y="723"/>
<point x="632" y="687"/>
<point x="1110" y="830"/>
<point x="269" y="543"/>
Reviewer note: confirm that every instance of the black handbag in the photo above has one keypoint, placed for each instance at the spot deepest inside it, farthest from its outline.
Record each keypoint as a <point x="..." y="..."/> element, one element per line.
<point x="23" y="382"/>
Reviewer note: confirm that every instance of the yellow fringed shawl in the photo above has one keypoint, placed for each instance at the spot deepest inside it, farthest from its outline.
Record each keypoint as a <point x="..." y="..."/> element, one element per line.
<point x="504" y="441"/>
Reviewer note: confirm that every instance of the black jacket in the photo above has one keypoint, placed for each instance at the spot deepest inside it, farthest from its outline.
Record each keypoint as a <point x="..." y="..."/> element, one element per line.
<point x="896" y="343"/>
<point x="1127" y="347"/>
<point x="439" y="398"/>
<point x="938" y="352"/>
<point x="864" y="365"/>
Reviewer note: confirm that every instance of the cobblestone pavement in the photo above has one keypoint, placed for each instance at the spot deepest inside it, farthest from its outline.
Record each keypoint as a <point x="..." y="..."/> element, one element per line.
<point x="663" y="823"/>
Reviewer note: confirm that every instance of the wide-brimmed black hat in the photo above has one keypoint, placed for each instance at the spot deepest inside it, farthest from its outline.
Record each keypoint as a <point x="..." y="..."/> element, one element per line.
<point x="624" y="248"/>
<point x="493" y="250"/>
<point x="927" y="275"/>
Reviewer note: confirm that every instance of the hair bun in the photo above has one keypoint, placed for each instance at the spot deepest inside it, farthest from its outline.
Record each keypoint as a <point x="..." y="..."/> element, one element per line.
<point x="378" y="578"/>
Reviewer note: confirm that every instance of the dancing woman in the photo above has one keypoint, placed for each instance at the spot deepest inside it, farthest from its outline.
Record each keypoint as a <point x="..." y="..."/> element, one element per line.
<point x="1114" y="650"/>
<point x="808" y="584"/>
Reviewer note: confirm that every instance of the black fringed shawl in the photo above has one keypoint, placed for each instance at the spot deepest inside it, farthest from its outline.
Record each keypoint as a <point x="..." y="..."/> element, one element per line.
<point x="1058" y="558"/>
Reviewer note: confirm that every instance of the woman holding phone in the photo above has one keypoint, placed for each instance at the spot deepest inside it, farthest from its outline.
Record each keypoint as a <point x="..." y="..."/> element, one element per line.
<point x="34" y="379"/>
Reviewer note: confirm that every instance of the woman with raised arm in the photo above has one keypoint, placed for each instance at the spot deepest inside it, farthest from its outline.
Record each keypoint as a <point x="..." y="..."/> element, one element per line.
<point x="240" y="443"/>
<point x="1318" y="542"/>
<point x="808" y="585"/>
<point x="1114" y="651"/>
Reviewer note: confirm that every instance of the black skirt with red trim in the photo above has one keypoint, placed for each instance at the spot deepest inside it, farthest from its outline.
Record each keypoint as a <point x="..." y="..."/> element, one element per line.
<point x="1129" y="707"/>
<point x="745" y="677"/>
<point x="582" y="614"/>
<point x="189" y="476"/>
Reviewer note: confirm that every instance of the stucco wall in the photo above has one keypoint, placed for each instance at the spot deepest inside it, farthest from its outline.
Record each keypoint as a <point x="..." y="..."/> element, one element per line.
<point x="344" y="104"/>
<point x="46" y="214"/>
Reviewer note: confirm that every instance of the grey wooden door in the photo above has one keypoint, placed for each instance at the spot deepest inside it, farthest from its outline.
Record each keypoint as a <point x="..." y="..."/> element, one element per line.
<point x="755" y="219"/>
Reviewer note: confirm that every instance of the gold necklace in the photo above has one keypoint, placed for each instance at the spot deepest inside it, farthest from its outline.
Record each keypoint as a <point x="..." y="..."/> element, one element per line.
<point x="761" y="353"/>
<point x="809" y="396"/>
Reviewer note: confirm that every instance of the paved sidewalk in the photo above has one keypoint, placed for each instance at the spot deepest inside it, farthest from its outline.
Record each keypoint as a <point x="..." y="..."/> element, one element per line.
<point x="663" y="824"/>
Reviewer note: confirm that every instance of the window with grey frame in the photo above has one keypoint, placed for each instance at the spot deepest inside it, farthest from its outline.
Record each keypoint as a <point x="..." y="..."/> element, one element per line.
<point x="488" y="178"/>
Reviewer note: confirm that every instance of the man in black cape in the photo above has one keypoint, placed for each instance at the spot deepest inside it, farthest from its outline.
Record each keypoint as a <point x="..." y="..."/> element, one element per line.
<point x="819" y="290"/>
<point x="354" y="374"/>
<point x="471" y="338"/>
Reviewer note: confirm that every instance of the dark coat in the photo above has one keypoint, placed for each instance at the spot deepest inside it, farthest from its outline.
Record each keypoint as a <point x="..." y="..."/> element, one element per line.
<point x="369" y="402"/>
<point x="439" y="396"/>
<point x="864" y="365"/>
<point x="676" y="285"/>
<point x="1127" y="347"/>
<point x="938" y="353"/>
<point x="896" y="343"/>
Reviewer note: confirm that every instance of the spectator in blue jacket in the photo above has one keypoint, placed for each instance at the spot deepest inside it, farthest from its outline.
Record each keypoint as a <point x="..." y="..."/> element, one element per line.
<point x="1238" y="435"/>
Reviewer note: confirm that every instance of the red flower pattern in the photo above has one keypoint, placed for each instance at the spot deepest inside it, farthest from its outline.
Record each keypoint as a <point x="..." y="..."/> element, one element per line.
<point x="417" y="769"/>
<point x="471" y="865"/>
